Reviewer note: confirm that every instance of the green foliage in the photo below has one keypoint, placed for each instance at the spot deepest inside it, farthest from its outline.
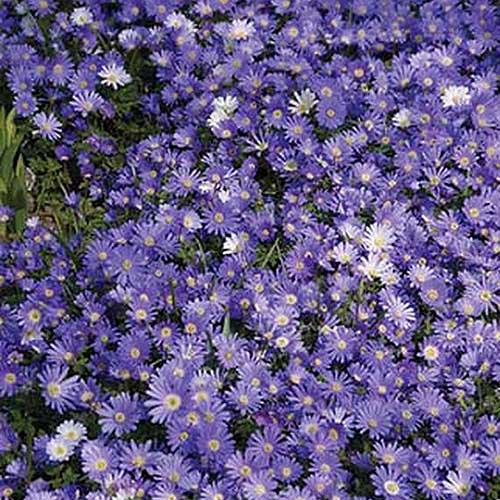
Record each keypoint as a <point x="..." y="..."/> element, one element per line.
<point x="13" y="192"/>
<point x="242" y="430"/>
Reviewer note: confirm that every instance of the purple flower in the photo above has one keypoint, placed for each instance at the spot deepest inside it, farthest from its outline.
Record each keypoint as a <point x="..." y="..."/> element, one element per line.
<point x="98" y="460"/>
<point x="87" y="101"/>
<point x="165" y="399"/>
<point x="120" y="414"/>
<point x="390" y="484"/>
<point x="59" y="391"/>
<point x="49" y="127"/>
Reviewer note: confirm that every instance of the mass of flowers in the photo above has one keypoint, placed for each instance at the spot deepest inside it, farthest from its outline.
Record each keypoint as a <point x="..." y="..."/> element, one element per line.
<point x="274" y="272"/>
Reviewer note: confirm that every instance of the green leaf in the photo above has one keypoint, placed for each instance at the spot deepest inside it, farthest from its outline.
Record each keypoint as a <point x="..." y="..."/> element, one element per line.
<point x="17" y="194"/>
<point x="7" y="160"/>
<point x="21" y="170"/>
<point x="3" y="135"/>
<point x="10" y="126"/>
<point x="226" y="330"/>
<point x="20" y="220"/>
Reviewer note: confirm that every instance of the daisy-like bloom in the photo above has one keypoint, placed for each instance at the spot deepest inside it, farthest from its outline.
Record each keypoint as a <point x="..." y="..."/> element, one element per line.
<point x="59" y="449"/>
<point x="264" y="446"/>
<point x="179" y="21"/>
<point x="173" y="468"/>
<point x="455" y="96"/>
<point x="10" y="380"/>
<point x="25" y="104"/>
<point x="97" y="460"/>
<point x="114" y="75"/>
<point x="59" y="392"/>
<point x="484" y="294"/>
<point x="246" y="398"/>
<point x="430" y="351"/>
<point x="191" y="221"/>
<point x="49" y="127"/>
<point x="235" y="243"/>
<point x="86" y="102"/>
<point x="43" y="7"/>
<point x="434" y="292"/>
<point x="240" y="29"/>
<point x="219" y="219"/>
<point x="82" y="16"/>
<point x="297" y="493"/>
<point x="164" y="400"/>
<point x="224" y="108"/>
<point x="331" y="112"/>
<point x="374" y="418"/>
<point x="138" y="456"/>
<point x="399" y="312"/>
<point x="402" y="119"/>
<point x="374" y="266"/>
<point x="120" y="415"/>
<point x="428" y="482"/>
<point x="378" y="238"/>
<point x="390" y="484"/>
<point x="491" y="456"/>
<point x="302" y="102"/>
<point x="72" y="431"/>
<point x="457" y="484"/>
<point x="129" y="39"/>
<point x="419" y="274"/>
<point x="259" y="486"/>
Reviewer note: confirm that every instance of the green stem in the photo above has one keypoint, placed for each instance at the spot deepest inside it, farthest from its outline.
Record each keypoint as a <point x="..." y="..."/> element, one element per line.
<point x="202" y="252"/>
<point x="270" y="252"/>
<point x="30" y="434"/>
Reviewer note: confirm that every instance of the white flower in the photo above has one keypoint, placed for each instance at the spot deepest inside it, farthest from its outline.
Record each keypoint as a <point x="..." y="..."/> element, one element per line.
<point x="233" y="244"/>
<point x="127" y="493"/>
<point x="455" y="95"/>
<point x="374" y="266"/>
<point x="349" y="231"/>
<point x="241" y="29"/>
<point x="114" y="76"/>
<point x="430" y="352"/>
<point x="457" y="484"/>
<point x="59" y="449"/>
<point x="71" y="431"/>
<point x="82" y="16"/>
<point x="224" y="107"/>
<point x="303" y="102"/>
<point x="216" y="117"/>
<point x="390" y="276"/>
<point x="175" y="20"/>
<point x="378" y="237"/>
<point x="33" y="221"/>
<point x="344" y="253"/>
<point x="228" y="104"/>
<point x="224" y="195"/>
<point x="179" y="21"/>
<point x="207" y="187"/>
<point x="402" y="118"/>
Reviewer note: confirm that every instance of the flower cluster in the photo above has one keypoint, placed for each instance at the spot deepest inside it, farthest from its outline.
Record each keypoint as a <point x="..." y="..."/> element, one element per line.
<point x="293" y="290"/>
